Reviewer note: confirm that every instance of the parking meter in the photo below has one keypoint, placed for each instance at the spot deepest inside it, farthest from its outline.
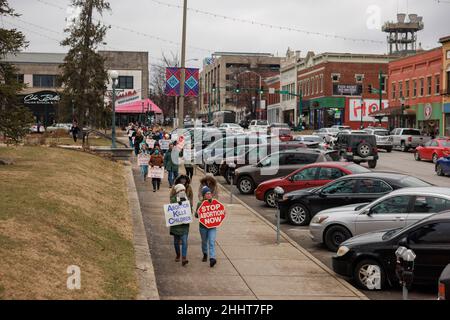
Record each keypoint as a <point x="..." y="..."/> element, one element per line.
<point x="279" y="193"/>
<point x="405" y="268"/>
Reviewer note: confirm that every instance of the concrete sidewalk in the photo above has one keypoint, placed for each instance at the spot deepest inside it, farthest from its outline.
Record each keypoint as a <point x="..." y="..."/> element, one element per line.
<point x="250" y="265"/>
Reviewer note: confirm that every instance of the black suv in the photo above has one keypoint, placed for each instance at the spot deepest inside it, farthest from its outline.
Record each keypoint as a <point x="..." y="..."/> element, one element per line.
<point x="358" y="148"/>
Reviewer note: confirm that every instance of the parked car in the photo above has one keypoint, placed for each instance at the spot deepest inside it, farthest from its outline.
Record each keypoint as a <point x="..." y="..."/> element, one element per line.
<point x="255" y="155"/>
<point x="341" y="127"/>
<point x="357" y="147"/>
<point x="259" y="126"/>
<point x="334" y="139"/>
<point x="232" y="127"/>
<point x="398" y="209"/>
<point x="212" y="162"/>
<point x="326" y="133"/>
<point x="370" y="259"/>
<point x="59" y="126"/>
<point x="312" y="175"/>
<point x="300" y="206"/>
<point x="281" y="130"/>
<point x="433" y="150"/>
<point x="407" y="138"/>
<point x="276" y="165"/>
<point x="313" y="139"/>
<point x="443" y="166"/>
<point x="37" y="129"/>
<point x="384" y="139"/>
<point x="444" y="284"/>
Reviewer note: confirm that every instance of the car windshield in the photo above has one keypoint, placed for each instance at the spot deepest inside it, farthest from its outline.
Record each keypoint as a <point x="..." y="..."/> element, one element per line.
<point x="445" y="144"/>
<point x="356" y="168"/>
<point x="414" y="182"/>
<point x="381" y="133"/>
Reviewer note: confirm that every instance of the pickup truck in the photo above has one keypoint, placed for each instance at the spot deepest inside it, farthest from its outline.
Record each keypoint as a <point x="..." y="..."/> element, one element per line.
<point x="407" y="138"/>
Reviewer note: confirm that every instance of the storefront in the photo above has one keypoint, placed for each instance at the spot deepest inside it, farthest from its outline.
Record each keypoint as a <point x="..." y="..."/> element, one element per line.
<point x="361" y="112"/>
<point x="43" y="105"/>
<point x="446" y="115"/>
<point x="429" y="118"/>
<point x="326" y="112"/>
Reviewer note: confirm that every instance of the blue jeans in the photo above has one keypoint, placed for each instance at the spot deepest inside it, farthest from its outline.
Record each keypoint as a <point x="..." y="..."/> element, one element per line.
<point x="172" y="175"/>
<point x="184" y="244"/>
<point x="209" y="238"/>
<point x="144" y="171"/>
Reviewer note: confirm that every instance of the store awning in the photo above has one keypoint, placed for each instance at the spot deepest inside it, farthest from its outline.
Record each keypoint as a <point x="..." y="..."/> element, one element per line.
<point x="393" y="111"/>
<point x="139" y="107"/>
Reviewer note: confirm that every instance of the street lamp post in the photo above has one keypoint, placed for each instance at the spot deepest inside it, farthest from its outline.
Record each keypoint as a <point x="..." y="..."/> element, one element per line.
<point x="114" y="76"/>
<point x="362" y="107"/>
<point x="402" y="117"/>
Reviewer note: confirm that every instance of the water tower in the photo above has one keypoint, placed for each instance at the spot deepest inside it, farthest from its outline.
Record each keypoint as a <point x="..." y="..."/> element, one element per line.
<point x="402" y="35"/>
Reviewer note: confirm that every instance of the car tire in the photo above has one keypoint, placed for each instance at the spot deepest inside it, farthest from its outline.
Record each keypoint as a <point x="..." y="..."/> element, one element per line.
<point x="298" y="215"/>
<point x="403" y="147"/>
<point x="213" y="169"/>
<point x="364" y="150"/>
<point x="417" y="156"/>
<point x="435" y="158"/>
<point x="439" y="170"/>
<point x="270" y="199"/>
<point x="246" y="185"/>
<point x="227" y="175"/>
<point x="372" y="164"/>
<point x="388" y="150"/>
<point x="334" y="236"/>
<point x="369" y="275"/>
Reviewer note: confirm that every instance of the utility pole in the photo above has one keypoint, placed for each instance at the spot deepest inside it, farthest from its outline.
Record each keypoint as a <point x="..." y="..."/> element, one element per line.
<point x="183" y="69"/>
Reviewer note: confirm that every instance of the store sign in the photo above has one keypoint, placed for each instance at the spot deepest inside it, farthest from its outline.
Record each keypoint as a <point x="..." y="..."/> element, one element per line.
<point x="369" y="106"/>
<point x="42" y="97"/>
<point x="427" y="111"/>
<point x="127" y="97"/>
<point x="347" y="89"/>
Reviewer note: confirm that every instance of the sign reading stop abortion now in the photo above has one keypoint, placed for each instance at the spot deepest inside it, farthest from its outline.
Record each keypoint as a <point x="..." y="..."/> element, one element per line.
<point x="177" y="214"/>
<point x="211" y="214"/>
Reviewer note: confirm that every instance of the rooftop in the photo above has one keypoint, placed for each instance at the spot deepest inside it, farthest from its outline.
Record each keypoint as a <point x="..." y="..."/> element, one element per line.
<point x="35" y="57"/>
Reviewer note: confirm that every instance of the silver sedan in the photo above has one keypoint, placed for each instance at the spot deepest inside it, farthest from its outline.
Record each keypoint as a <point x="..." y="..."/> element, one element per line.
<point x="397" y="209"/>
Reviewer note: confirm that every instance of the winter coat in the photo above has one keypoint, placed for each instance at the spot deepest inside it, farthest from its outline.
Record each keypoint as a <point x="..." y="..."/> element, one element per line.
<point x="196" y="213"/>
<point x="169" y="163"/>
<point x="210" y="182"/>
<point x="189" y="191"/>
<point x="156" y="160"/>
<point x="138" y="140"/>
<point x="181" y="229"/>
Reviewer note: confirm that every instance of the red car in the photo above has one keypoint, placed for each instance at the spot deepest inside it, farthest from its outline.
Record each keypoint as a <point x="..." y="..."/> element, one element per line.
<point x="309" y="176"/>
<point x="433" y="150"/>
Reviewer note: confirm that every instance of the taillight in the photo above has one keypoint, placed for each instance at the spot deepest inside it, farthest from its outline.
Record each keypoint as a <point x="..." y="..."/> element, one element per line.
<point x="409" y="139"/>
<point x="441" y="291"/>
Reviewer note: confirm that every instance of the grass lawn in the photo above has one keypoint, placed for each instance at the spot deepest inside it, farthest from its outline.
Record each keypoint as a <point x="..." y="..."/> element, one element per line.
<point x="93" y="141"/>
<point x="60" y="208"/>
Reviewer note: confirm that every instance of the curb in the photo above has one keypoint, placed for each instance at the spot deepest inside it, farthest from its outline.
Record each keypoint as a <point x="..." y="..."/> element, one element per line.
<point x="144" y="267"/>
<point x="298" y="247"/>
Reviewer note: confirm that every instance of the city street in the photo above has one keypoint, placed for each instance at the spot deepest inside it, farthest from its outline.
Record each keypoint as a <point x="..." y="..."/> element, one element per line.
<point x="394" y="162"/>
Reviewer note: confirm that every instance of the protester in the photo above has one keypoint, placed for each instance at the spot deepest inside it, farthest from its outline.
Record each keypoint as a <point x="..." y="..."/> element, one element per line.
<point x="210" y="182"/>
<point x="144" y="168"/>
<point x="75" y="130"/>
<point x="188" y="165"/>
<point x="138" y="139"/>
<point x="180" y="232"/>
<point x="186" y="181"/>
<point x="156" y="160"/>
<point x="171" y="160"/>
<point x="131" y="132"/>
<point x="208" y="235"/>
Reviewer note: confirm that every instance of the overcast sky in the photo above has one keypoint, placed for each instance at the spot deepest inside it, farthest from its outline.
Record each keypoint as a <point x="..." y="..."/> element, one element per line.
<point x="43" y="21"/>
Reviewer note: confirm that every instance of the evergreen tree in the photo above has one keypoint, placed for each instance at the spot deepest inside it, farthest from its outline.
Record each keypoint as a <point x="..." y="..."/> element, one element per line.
<point x="84" y="76"/>
<point x="15" y="120"/>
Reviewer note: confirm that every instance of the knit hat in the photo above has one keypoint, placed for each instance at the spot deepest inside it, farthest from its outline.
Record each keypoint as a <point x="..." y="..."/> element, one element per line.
<point x="179" y="187"/>
<point x="205" y="190"/>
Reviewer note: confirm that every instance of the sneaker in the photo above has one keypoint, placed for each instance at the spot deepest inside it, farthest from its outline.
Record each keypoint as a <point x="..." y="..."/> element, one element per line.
<point x="212" y="262"/>
<point x="205" y="257"/>
<point x="184" y="262"/>
<point x="154" y="190"/>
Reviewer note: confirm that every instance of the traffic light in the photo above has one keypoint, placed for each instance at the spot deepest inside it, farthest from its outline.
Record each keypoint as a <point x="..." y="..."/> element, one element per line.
<point x="214" y="87"/>
<point x="261" y="90"/>
<point x="238" y="89"/>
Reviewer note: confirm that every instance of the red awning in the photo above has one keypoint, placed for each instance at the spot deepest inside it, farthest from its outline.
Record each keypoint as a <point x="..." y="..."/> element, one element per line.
<point x="136" y="107"/>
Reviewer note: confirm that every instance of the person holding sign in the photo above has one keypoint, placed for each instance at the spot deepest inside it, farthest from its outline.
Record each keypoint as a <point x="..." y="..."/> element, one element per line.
<point x="180" y="232"/>
<point x="156" y="160"/>
<point x="208" y="235"/>
<point x="143" y="160"/>
<point x="171" y="160"/>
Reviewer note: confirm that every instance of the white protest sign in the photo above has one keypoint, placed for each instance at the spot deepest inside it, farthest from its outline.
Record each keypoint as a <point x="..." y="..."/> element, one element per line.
<point x="150" y="143"/>
<point x="164" y="144"/>
<point x="177" y="214"/>
<point x="156" y="172"/>
<point x="143" y="159"/>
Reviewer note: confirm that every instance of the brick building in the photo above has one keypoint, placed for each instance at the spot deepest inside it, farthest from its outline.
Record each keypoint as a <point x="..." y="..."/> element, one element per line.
<point x="41" y="71"/>
<point x="445" y="91"/>
<point x="415" y="91"/>
<point x="335" y="85"/>
<point x="225" y="71"/>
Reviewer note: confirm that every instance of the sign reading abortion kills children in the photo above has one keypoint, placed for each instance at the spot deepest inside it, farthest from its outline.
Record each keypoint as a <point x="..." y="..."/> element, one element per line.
<point x="211" y="214"/>
<point x="177" y="214"/>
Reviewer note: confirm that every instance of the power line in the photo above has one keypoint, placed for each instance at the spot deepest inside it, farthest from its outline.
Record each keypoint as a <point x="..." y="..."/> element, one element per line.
<point x="266" y="25"/>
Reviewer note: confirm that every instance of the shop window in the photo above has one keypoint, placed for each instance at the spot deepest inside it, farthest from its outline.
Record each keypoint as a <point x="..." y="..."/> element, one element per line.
<point x="359" y="78"/>
<point x="421" y="87"/>
<point x="437" y="84"/>
<point x="448" y="82"/>
<point x="407" y="89"/>
<point x="414" y="88"/>
<point x="393" y="91"/>
<point x="19" y="78"/>
<point x="429" y="89"/>
<point x="400" y="89"/>
<point x="125" y="82"/>
<point x="335" y="77"/>
<point x="44" y="81"/>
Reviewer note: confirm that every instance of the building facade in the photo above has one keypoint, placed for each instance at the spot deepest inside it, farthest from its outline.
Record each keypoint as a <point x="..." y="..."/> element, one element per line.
<point x="445" y="91"/>
<point x="224" y="72"/>
<point x="41" y="73"/>
<point x="339" y="88"/>
<point x="288" y="83"/>
<point x="415" y="92"/>
<point x="273" y="99"/>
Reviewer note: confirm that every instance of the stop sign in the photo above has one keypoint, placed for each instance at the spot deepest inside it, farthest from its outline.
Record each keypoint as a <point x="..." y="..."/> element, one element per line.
<point x="211" y="214"/>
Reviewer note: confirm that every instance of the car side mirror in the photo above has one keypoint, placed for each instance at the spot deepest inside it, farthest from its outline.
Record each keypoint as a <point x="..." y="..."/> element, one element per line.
<point x="403" y="242"/>
<point x="368" y="212"/>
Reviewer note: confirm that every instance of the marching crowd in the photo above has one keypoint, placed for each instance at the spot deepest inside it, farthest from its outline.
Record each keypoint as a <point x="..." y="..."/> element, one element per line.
<point x="149" y="141"/>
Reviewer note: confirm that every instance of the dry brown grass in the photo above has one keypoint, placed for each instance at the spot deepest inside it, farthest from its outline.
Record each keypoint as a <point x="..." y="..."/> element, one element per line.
<point x="60" y="208"/>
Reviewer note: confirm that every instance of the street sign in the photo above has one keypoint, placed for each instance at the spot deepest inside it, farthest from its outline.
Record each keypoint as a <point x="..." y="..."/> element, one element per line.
<point x="284" y="92"/>
<point x="211" y="214"/>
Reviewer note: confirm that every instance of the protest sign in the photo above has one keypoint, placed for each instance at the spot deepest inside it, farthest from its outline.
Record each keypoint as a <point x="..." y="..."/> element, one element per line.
<point x="164" y="144"/>
<point x="211" y="214"/>
<point x="177" y="214"/>
<point x="150" y="143"/>
<point x="143" y="159"/>
<point x="156" y="172"/>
